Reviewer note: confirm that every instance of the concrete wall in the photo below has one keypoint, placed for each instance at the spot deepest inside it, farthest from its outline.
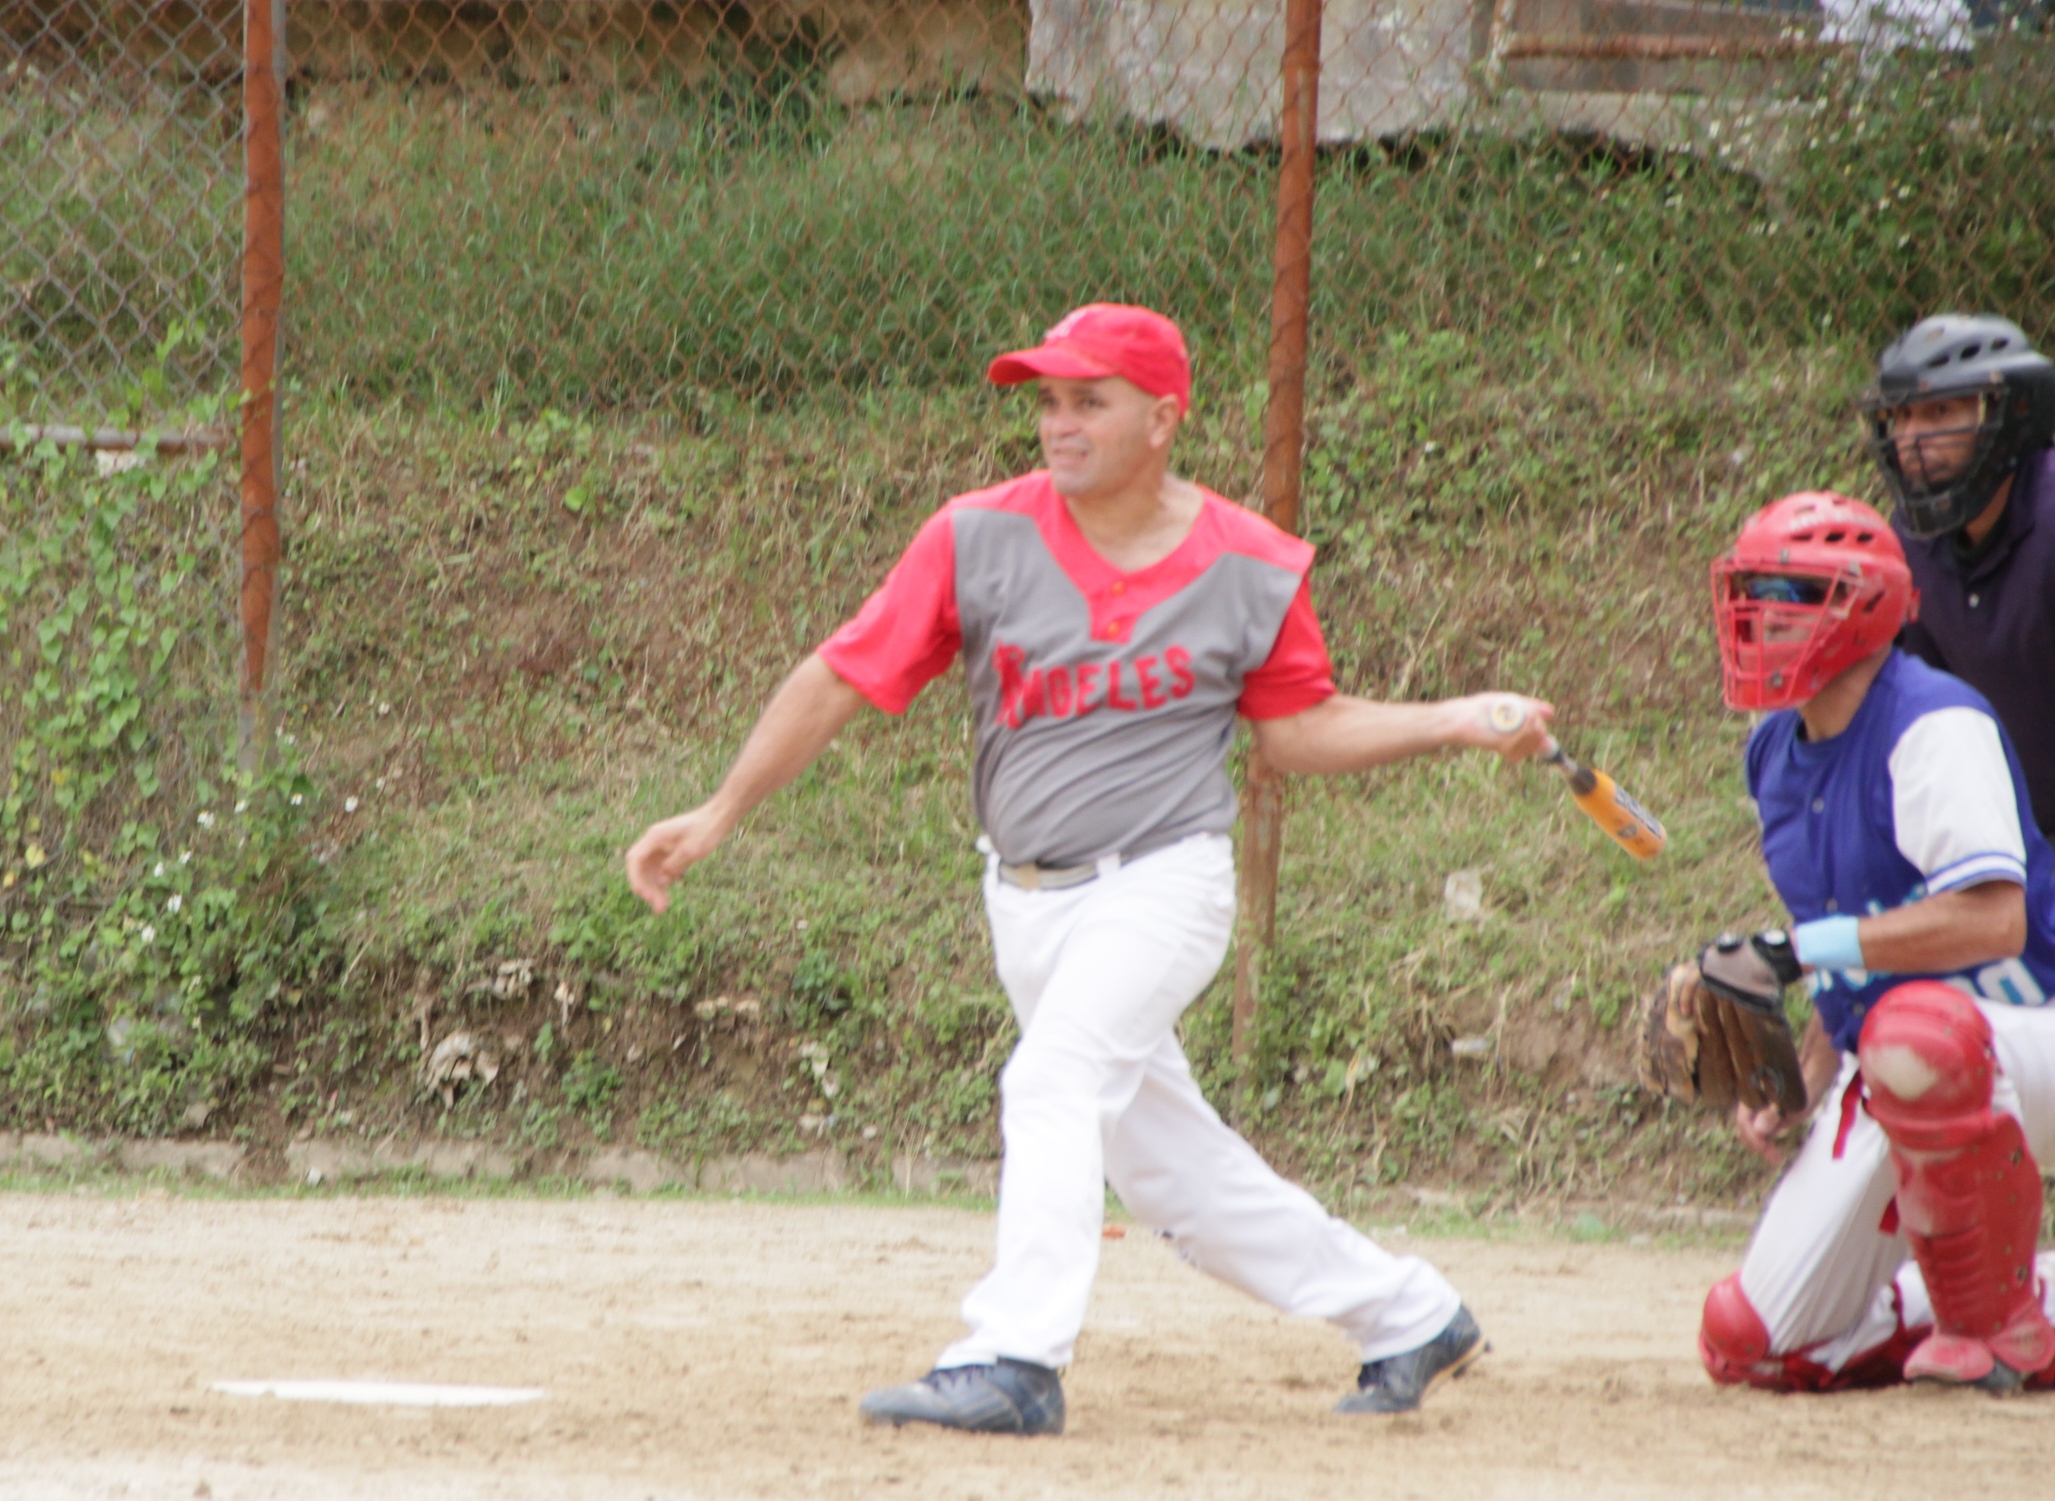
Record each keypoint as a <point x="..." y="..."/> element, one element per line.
<point x="1210" y="68"/>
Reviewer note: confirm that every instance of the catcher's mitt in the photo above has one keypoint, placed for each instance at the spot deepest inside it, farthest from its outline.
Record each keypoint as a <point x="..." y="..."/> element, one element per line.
<point x="1715" y="1031"/>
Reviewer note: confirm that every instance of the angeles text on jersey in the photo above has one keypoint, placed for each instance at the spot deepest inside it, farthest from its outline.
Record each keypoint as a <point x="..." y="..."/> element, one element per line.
<point x="1072" y="691"/>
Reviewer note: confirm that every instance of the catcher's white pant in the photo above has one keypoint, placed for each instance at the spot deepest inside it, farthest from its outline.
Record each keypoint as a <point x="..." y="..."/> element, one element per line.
<point x="1819" y="1270"/>
<point x="1099" y="1091"/>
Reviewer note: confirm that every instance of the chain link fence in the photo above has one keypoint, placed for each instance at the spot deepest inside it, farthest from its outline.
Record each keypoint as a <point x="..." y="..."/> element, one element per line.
<point x="689" y="211"/>
<point x="627" y="204"/>
<point x="120" y="205"/>
<point x="604" y="204"/>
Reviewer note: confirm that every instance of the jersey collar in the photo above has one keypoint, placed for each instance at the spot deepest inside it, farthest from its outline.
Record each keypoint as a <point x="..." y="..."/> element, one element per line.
<point x="1118" y="599"/>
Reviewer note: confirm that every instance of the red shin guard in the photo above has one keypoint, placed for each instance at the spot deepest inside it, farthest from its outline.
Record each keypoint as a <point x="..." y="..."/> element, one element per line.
<point x="1735" y="1346"/>
<point x="1969" y="1191"/>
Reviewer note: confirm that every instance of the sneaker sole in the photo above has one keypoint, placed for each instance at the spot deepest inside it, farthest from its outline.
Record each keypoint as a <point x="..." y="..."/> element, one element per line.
<point x="902" y="1420"/>
<point x="1454" y="1370"/>
<point x="892" y="1421"/>
<point x="1457" y="1367"/>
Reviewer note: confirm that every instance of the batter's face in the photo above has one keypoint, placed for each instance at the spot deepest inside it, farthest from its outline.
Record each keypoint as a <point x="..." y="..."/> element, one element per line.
<point x="1100" y="437"/>
<point x="1936" y="439"/>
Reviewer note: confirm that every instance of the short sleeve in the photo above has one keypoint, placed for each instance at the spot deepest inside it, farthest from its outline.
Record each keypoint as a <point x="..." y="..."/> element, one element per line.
<point x="1953" y="802"/>
<point x="906" y="634"/>
<point x="1297" y="674"/>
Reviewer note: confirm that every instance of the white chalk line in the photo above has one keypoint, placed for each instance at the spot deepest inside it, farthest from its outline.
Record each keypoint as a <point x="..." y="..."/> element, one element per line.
<point x="383" y="1393"/>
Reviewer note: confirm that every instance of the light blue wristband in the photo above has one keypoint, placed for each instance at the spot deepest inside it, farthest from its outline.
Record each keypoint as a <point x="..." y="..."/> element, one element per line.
<point x="1828" y="943"/>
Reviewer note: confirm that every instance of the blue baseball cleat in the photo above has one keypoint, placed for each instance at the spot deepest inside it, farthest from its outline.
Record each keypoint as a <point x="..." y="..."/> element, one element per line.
<point x="1010" y="1397"/>
<point x="1398" y="1382"/>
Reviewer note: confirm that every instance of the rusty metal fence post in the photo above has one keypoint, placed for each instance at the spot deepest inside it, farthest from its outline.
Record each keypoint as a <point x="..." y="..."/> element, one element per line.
<point x="263" y="290"/>
<point x="1283" y="451"/>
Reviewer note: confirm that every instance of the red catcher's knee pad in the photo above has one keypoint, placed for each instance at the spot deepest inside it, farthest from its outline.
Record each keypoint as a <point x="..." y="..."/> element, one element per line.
<point x="1926" y="1057"/>
<point x="1735" y="1346"/>
<point x="1969" y="1191"/>
<point x="1733" y="1341"/>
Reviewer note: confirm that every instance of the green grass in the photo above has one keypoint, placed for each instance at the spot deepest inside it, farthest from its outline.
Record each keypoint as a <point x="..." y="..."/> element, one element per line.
<point x="585" y="457"/>
<point x="648" y="251"/>
<point x="669" y="251"/>
<point x="514" y="644"/>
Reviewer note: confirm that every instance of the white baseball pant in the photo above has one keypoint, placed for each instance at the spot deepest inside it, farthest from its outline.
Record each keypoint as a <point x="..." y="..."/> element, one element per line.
<point x="1820" y="1271"/>
<point x="1098" y="1090"/>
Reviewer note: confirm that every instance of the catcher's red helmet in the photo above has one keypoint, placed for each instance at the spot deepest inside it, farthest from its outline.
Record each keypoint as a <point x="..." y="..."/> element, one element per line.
<point x="1814" y="583"/>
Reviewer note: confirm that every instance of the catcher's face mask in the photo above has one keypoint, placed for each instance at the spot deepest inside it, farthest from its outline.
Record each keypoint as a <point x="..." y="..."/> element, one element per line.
<point x="1815" y="583"/>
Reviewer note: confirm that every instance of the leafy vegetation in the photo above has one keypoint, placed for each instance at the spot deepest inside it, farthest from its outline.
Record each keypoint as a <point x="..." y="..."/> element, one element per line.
<point x="152" y="899"/>
<point x="583" y="463"/>
<point x="490" y="690"/>
<point x="517" y="248"/>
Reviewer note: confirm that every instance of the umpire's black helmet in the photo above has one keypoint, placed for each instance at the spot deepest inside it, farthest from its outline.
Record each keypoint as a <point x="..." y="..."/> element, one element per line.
<point x="1960" y="354"/>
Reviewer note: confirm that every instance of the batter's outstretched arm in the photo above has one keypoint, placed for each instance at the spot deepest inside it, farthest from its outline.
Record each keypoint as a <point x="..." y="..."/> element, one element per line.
<point x="803" y="716"/>
<point x="1343" y="733"/>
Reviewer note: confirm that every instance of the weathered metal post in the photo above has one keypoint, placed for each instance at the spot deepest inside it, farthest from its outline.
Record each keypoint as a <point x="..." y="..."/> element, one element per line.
<point x="263" y="290"/>
<point x="1284" y="425"/>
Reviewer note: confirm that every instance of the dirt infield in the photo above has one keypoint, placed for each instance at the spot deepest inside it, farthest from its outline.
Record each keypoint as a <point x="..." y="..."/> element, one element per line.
<point x="715" y="1349"/>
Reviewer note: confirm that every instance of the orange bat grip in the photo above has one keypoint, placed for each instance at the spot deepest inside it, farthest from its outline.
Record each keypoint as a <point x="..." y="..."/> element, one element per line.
<point x="1631" y="826"/>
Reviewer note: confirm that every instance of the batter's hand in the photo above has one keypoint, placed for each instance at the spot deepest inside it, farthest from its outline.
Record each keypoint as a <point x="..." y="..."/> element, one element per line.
<point x="1509" y="723"/>
<point x="667" y="850"/>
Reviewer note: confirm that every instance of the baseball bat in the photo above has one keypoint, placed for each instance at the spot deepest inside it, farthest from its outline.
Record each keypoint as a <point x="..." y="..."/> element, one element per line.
<point x="1628" y="824"/>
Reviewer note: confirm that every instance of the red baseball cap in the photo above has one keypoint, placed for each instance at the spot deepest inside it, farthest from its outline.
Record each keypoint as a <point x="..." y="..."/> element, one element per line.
<point x="1102" y="339"/>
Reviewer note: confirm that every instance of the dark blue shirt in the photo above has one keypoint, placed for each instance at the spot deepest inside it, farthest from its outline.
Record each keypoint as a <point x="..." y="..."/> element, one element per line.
<point x="1920" y="794"/>
<point x="1990" y="620"/>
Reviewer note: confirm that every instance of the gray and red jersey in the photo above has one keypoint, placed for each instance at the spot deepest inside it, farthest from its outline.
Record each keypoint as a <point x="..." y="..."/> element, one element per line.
<point x="1105" y="701"/>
